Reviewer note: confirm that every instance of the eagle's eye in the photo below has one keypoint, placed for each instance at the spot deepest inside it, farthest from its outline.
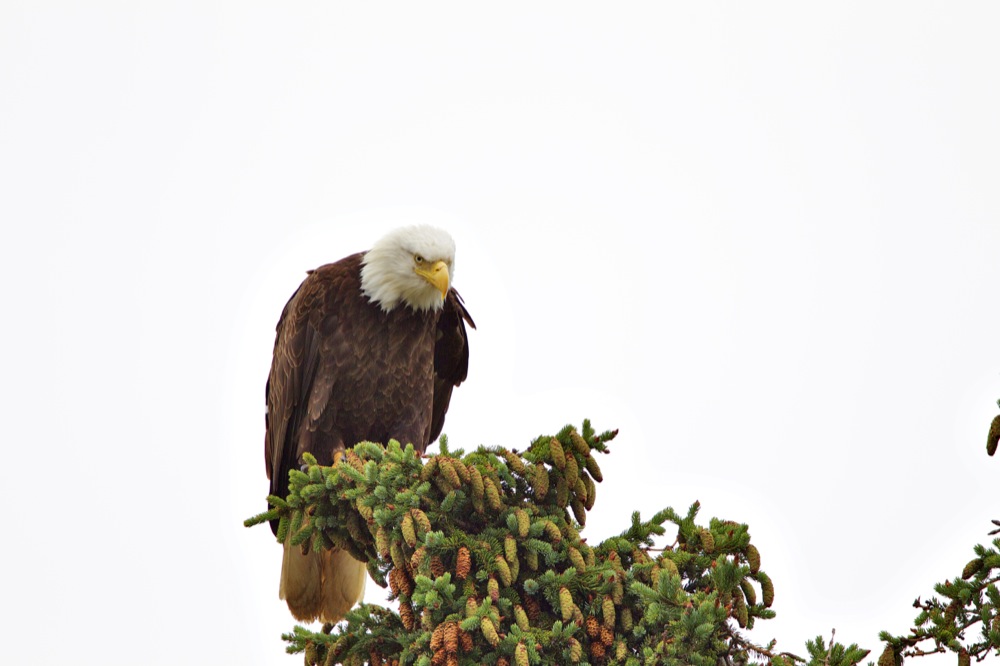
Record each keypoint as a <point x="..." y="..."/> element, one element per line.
<point x="417" y="258"/>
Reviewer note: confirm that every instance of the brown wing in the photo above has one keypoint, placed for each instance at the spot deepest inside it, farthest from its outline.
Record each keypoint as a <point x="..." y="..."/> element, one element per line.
<point x="303" y="372"/>
<point x="451" y="357"/>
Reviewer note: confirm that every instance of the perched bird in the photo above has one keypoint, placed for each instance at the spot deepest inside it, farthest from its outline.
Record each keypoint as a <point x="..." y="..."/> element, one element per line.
<point x="368" y="348"/>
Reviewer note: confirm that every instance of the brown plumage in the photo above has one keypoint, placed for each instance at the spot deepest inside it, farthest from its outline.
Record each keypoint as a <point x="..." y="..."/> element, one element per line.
<point x="349" y="368"/>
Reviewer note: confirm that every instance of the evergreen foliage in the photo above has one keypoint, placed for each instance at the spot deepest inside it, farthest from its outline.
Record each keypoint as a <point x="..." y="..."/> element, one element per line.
<point x="483" y="552"/>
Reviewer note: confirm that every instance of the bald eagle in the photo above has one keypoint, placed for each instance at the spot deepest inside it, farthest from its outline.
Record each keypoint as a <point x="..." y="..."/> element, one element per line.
<point x="367" y="348"/>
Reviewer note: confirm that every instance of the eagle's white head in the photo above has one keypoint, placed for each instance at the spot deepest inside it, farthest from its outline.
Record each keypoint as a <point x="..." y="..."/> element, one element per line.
<point x="410" y="265"/>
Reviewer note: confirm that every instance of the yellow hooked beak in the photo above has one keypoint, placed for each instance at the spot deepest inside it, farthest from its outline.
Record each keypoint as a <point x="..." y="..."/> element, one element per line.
<point x="436" y="274"/>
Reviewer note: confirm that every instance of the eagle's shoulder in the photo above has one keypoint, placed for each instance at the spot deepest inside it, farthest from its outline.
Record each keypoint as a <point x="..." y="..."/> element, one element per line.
<point x="341" y="279"/>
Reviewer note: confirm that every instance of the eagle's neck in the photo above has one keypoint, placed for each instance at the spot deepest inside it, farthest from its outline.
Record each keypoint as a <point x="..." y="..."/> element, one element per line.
<point x="388" y="280"/>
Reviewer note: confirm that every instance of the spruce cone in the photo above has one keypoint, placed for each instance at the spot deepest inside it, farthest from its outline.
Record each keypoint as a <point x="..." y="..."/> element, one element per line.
<point x="311" y="654"/>
<point x="748" y="592"/>
<point x="406" y="615"/>
<point x="608" y="610"/>
<point x="741" y="612"/>
<point x="366" y="512"/>
<point x="767" y="591"/>
<point x="476" y="481"/>
<point x="394" y="589"/>
<point x="617" y="591"/>
<point x="421" y="520"/>
<point x="437" y="638"/>
<point x="577" y="560"/>
<point x="332" y="658"/>
<point x="575" y="650"/>
<point x="592" y="626"/>
<point x="572" y="471"/>
<point x="418" y="557"/>
<point x="972" y="568"/>
<point x="382" y="542"/>
<point x="753" y="558"/>
<point x="591" y="491"/>
<point x="489" y="631"/>
<point x="566" y="604"/>
<point x="557" y="454"/>
<point x="461" y="469"/>
<point x="552" y="532"/>
<point x="510" y="549"/>
<point x="562" y="491"/>
<point x="448" y="471"/>
<point x="531" y="558"/>
<point x="888" y="657"/>
<point x="492" y="494"/>
<point x="607" y="637"/>
<point x="503" y="569"/>
<point x="409" y="533"/>
<point x="523" y="522"/>
<point x="569" y="532"/>
<point x="951" y="611"/>
<point x="626" y="619"/>
<point x="594" y="468"/>
<point x="521" y="655"/>
<point x="396" y="553"/>
<point x="579" y="443"/>
<point x="707" y="541"/>
<point x="540" y="481"/>
<point x="533" y="609"/>
<point x="577" y="616"/>
<point x="521" y="618"/>
<point x="358" y="531"/>
<point x="404" y="582"/>
<point x="463" y="563"/>
<point x="515" y="463"/>
<point x="451" y="637"/>
<point x="427" y="471"/>
<point x="493" y="589"/>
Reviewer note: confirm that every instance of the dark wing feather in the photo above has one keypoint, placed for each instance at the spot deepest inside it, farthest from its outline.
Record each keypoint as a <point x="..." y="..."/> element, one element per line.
<point x="292" y="383"/>
<point x="451" y="357"/>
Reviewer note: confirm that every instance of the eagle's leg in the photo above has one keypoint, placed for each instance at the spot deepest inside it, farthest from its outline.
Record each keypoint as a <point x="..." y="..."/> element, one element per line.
<point x="337" y="457"/>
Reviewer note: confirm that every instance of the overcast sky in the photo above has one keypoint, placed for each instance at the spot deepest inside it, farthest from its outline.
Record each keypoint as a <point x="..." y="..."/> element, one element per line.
<point x="759" y="238"/>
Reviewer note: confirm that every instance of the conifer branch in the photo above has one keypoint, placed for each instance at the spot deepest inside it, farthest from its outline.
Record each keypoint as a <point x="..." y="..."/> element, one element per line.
<point x="484" y="554"/>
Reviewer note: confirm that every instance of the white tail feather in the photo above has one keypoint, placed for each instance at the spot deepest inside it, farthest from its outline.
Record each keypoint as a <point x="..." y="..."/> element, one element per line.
<point x="343" y="584"/>
<point x="322" y="585"/>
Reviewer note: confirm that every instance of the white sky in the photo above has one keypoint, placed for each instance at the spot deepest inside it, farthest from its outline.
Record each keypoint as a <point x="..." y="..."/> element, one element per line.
<point x="759" y="238"/>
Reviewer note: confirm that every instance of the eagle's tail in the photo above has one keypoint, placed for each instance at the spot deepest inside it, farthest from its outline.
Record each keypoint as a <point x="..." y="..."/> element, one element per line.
<point x="323" y="585"/>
